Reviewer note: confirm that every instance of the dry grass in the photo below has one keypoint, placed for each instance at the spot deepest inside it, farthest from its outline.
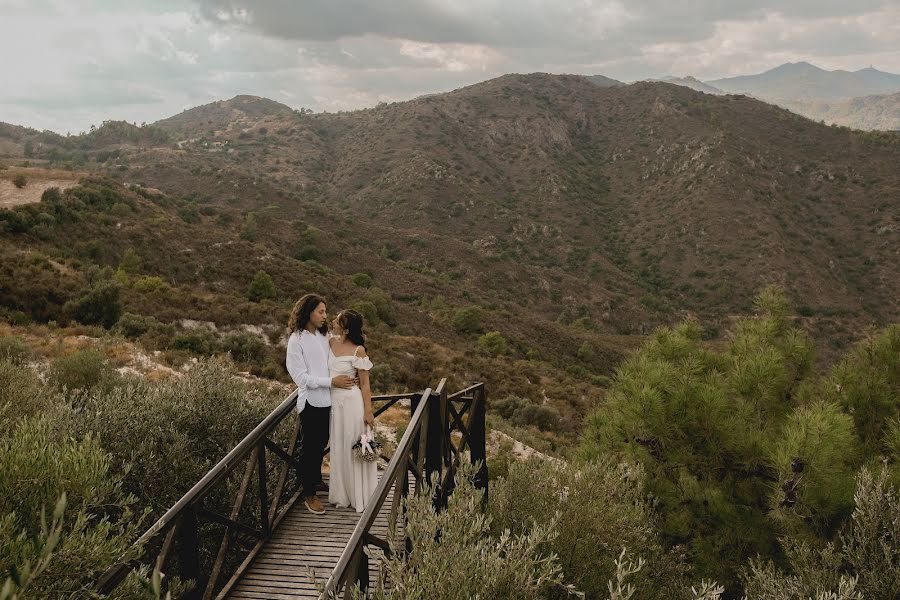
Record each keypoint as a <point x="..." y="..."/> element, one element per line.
<point x="38" y="180"/>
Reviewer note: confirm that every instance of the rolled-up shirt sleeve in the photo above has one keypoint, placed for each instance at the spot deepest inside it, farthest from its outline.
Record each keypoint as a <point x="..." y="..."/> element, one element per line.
<point x="298" y="370"/>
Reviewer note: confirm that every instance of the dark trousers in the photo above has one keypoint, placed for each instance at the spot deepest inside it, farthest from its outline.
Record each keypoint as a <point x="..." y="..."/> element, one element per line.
<point x="314" y="422"/>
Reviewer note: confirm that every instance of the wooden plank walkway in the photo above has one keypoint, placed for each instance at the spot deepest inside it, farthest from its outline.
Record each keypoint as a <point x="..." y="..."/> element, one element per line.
<point x="304" y="549"/>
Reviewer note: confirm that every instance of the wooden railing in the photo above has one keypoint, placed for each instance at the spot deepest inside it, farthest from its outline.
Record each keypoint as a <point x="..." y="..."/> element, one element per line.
<point x="173" y="542"/>
<point x="428" y="447"/>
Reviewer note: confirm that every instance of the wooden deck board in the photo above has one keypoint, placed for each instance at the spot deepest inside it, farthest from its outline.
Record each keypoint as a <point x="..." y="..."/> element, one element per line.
<point x="305" y="544"/>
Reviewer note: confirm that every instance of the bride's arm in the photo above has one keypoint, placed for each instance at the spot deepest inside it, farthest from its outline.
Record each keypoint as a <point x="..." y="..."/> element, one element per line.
<point x="367" y="397"/>
<point x="365" y="388"/>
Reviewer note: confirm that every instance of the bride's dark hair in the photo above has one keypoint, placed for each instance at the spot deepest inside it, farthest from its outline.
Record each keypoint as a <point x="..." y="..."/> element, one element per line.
<point x="352" y="323"/>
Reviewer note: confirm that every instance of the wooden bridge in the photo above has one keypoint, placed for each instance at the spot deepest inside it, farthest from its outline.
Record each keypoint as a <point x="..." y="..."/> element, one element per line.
<point x="244" y="533"/>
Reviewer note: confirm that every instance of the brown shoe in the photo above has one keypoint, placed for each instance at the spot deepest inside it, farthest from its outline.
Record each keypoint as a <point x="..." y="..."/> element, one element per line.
<point x="313" y="505"/>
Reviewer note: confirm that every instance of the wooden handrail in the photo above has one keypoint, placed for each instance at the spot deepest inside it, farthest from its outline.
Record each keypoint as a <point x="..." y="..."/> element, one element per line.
<point x="378" y="497"/>
<point x="115" y="574"/>
<point x="466" y="392"/>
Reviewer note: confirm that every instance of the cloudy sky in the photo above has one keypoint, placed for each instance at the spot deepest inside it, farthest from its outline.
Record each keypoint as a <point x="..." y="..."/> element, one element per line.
<point x="68" y="64"/>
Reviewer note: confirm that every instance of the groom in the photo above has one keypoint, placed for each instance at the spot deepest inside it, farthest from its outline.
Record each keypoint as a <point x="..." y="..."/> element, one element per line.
<point x="307" y="363"/>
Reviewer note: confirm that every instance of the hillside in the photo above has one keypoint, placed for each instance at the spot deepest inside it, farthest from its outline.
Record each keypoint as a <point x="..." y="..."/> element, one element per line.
<point x="879" y="112"/>
<point x="621" y="194"/>
<point x="692" y="83"/>
<point x="577" y="217"/>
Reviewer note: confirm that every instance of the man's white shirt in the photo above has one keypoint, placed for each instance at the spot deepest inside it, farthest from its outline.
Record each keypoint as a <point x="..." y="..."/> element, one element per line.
<point x="307" y="363"/>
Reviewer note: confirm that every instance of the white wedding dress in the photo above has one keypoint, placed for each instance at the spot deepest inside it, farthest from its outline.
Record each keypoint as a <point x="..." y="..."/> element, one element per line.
<point x="352" y="480"/>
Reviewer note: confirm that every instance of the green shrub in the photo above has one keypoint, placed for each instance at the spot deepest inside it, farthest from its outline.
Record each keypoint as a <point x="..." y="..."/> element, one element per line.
<point x="150" y="284"/>
<point x="14" y="350"/>
<point x="262" y="287"/>
<point x="368" y="311"/>
<point x="595" y="510"/>
<point x="493" y="344"/>
<point x="204" y="343"/>
<point x="82" y="370"/>
<point x="21" y="391"/>
<point x="51" y="195"/>
<point x="864" y="564"/>
<point x="20" y="181"/>
<point x="99" y="304"/>
<point x="134" y="326"/>
<point x="381" y="378"/>
<point x="37" y="466"/>
<point x="523" y="413"/>
<point x="244" y="347"/>
<point x="131" y="262"/>
<point x="467" y="320"/>
<point x="363" y="280"/>
<point x="383" y="306"/>
<point x="186" y="426"/>
<point x="586" y="351"/>
<point x="866" y="383"/>
<point x="453" y="556"/>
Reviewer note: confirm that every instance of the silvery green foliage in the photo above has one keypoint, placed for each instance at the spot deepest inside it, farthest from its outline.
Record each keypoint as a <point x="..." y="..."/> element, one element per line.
<point x="455" y="556"/>
<point x="622" y="589"/>
<point x="37" y="466"/>
<point x="602" y="507"/>
<point x="864" y="563"/>
<point x="23" y="575"/>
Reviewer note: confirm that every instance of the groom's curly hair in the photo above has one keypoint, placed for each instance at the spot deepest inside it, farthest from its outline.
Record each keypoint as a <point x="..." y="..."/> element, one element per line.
<point x="303" y="308"/>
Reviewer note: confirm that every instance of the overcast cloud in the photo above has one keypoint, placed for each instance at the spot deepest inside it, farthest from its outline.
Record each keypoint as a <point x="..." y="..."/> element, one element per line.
<point x="69" y="64"/>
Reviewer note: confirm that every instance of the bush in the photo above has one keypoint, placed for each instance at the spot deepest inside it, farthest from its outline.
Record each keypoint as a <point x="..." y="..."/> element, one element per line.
<point x="134" y="326"/>
<point x="51" y="195"/>
<point x="467" y="320"/>
<point x="523" y="413"/>
<point x="381" y="378"/>
<point x="150" y="284"/>
<point x="37" y="466"/>
<point x="368" y="311"/>
<point x="454" y="557"/>
<point x="14" y="350"/>
<point x="131" y="262"/>
<point x="383" y="306"/>
<point x="82" y="370"/>
<point x="596" y="510"/>
<point x="493" y="344"/>
<point x="586" y="351"/>
<point x="245" y="347"/>
<point x="363" y="280"/>
<point x="865" y="564"/>
<point x="99" y="304"/>
<point x="21" y="392"/>
<point x="204" y="343"/>
<point x="262" y="287"/>
<point x="20" y="181"/>
<point x="186" y="425"/>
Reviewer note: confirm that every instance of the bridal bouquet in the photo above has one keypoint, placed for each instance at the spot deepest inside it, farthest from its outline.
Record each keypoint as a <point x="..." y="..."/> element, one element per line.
<point x="367" y="447"/>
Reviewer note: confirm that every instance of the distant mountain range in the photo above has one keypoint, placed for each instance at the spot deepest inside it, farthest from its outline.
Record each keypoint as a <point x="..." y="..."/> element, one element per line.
<point x="863" y="99"/>
<point x="803" y="81"/>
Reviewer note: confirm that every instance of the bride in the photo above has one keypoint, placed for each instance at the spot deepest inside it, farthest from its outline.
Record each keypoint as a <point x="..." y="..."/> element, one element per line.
<point x="352" y="480"/>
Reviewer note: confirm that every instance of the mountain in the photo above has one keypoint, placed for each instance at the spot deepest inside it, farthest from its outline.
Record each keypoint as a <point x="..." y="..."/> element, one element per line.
<point x="576" y="216"/>
<point x="240" y="110"/>
<point x="802" y="81"/>
<point x="881" y="112"/>
<point x="692" y="83"/>
<point x="603" y="81"/>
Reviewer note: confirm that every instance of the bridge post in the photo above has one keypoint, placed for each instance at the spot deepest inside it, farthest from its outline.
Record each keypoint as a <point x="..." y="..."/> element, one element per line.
<point x="189" y="553"/>
<point x="435" y="432"/>
<point x="478" y="439"/>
